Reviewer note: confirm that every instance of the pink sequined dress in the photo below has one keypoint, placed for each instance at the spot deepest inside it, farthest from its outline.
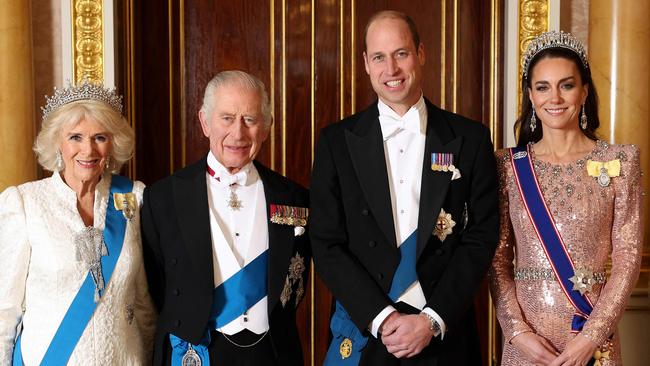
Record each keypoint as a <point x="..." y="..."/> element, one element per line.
<point x="596" y="223"/>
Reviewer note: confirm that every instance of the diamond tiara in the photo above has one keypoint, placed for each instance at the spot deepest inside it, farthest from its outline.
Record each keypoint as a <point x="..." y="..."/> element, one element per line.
<point x="554" y="39"/>
<point x="83" y="91"/>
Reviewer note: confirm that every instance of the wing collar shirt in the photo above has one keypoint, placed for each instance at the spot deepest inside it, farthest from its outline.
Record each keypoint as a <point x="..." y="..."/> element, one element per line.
<point x="404" y="139"/>
<point x="238" y="236"/>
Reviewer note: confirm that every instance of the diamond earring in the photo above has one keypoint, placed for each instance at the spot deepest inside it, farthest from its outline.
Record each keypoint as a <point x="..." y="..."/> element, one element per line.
<point x="533" y="121"/>
<point x="583" y="118"/>
<point x="59" y="161"/>
<point x="108" y="162"/>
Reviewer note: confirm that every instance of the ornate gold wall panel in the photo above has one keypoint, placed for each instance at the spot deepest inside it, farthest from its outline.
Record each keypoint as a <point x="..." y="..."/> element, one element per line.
<point x="533" y="21"/>
<point x="88" y="40"/>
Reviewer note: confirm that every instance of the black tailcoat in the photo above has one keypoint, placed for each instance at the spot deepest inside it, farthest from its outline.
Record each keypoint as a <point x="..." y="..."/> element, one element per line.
<point x="353" y="236"/>
<point x="178" y="258"/>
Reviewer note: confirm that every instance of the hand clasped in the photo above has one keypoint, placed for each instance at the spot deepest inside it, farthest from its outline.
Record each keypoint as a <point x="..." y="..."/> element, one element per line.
<point x="406" y="335"/>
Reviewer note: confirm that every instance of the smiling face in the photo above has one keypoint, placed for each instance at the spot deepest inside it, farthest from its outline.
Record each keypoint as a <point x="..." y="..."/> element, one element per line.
<point x="236" y="126"/>
<point x="557" y="93"/>
<point x="85" y="148"/>
<point x="394" y="63"/>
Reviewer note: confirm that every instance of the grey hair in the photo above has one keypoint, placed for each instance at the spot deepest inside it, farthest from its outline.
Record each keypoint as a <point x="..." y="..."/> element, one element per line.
<point x="49" y="138"/>
<point x="243" y="79"/>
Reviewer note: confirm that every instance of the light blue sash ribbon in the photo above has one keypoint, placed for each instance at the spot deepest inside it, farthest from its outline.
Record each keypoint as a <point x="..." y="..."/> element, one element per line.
<point x="83" y="306"/>
<point x="342" y="325"/>
<point x="230" y="300"/>
<point x="180" y="347"/>
<point x="550" y="238"/>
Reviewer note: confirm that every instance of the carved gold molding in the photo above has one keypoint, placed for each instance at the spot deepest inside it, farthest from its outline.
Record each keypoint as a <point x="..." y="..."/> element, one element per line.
<point x="495" y="128"/>
<point x="88" y="40"/>
<point x="533" y="21"/>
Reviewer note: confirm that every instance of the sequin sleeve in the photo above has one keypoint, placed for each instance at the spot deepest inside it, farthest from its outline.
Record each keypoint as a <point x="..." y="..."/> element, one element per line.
<point x="627" y="245"/>
<point x="502" y="284"/>
<point x="14" y="261"/>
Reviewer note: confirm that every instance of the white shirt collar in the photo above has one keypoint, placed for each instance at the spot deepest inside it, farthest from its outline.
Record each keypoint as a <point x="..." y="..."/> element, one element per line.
<point x="414" y="120"/>
<point x="247" y="175"/>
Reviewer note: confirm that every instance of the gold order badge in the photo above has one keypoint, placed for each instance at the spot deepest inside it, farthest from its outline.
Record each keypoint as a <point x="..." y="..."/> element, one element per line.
<point x="345" y="349"/>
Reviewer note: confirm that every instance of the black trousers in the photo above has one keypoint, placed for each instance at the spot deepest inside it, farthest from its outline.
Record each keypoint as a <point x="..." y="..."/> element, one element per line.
<point x="224" y="353"/>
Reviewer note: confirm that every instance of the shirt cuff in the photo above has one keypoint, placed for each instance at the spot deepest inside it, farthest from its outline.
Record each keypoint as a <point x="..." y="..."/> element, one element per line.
<point x="438" y="319"/>
<point x="376" y="323"/>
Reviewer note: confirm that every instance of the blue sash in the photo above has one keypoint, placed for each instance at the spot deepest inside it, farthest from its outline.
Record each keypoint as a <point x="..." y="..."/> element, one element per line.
<point x="552" y="242"/>
<point x="230" y="300"/>
<point x="83" y="306"/>
<point x="342" y="325"/>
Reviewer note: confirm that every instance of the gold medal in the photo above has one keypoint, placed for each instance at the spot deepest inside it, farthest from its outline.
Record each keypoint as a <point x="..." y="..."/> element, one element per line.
<point x="440" y="162"/>
<point x="289" y="215"/>
<point x="345" y="349"/>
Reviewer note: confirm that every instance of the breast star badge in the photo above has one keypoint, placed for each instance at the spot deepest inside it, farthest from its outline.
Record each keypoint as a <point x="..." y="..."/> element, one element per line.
<point x="296" y="269"/>
<point x="444" y="225"/>
<point x="583" y="280"/>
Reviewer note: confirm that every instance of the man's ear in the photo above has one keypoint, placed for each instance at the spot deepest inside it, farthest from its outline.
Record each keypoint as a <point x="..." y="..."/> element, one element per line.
<point x="421" y="55"/>
<point x="205" y="123"/>
<point x="365" y="62"/>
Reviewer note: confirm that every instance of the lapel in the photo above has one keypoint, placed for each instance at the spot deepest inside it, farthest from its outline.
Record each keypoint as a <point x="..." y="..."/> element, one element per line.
<point x="365" y="144"/>
<point x="280" y="236"/>
<point x="440" y="138"/>
<point x="190" y="195"/>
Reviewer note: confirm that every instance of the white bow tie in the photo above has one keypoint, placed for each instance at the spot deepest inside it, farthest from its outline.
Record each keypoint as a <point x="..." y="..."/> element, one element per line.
<point x="230" y="179"/>
<point x="391" y="126"/>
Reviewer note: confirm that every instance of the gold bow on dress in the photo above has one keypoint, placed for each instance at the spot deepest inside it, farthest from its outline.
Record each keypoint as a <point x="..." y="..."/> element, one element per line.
<point x="126" y="203"/>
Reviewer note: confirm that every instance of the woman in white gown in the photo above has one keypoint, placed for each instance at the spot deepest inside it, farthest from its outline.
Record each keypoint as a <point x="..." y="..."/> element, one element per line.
<point x="72" y="284"/>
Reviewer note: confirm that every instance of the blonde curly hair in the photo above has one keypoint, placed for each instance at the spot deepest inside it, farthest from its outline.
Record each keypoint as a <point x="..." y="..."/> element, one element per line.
<point x="48" y="140"/>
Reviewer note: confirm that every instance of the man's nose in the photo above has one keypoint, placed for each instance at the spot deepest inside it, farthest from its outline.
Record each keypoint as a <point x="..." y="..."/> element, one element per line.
<point x="391" y="66"/>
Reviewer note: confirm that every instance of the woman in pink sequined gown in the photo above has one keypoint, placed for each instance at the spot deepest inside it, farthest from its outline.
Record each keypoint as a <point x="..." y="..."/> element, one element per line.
<point x="596" y="221"/>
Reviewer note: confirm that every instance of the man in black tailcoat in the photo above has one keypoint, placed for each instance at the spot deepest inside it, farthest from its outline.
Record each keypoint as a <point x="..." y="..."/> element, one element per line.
<point x="404" y="218"/>
<point x="225" y="247"/>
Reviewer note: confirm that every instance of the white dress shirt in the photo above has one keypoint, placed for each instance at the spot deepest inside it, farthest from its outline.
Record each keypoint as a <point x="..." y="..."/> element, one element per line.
<point x="404" y="139"/>
<point x="238" y="236"/>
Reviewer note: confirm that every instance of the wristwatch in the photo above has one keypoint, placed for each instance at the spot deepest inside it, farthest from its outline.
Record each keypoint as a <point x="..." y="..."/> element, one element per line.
<point x="433" y="324"/>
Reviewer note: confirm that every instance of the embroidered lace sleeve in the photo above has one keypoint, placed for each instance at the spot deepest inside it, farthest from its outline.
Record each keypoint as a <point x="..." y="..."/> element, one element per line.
<point x="145" y="313"/>
<point x="627" y="245"/>
<point x="14" y="261"/>
<point x="501" y="274"/>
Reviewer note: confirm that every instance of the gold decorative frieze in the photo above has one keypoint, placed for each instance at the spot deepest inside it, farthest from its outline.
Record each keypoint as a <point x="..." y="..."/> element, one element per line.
<point x="533" y="21"/>
<point x="88" y="40"/>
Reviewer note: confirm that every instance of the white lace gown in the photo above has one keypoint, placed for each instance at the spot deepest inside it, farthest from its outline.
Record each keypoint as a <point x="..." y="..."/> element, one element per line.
<point x="40" y="276"/>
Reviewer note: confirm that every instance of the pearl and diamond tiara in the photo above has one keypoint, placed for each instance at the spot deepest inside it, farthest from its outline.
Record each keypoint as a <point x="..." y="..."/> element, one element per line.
<point x="83" y="91"/>
<point x="554" y="39"/>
